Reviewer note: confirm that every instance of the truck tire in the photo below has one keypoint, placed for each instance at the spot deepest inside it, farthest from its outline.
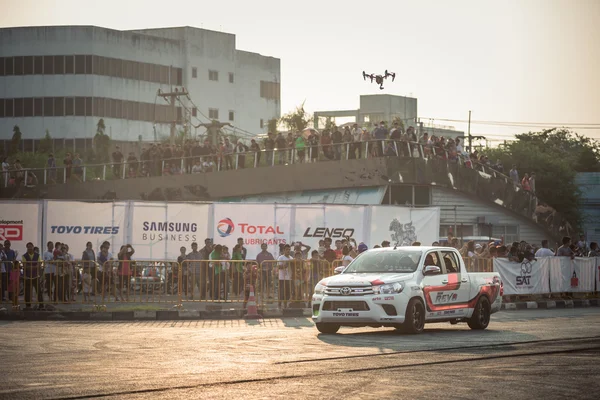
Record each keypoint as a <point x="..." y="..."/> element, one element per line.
<point x="481" y="316"/>
<point x="414" y="321"/>
<point x="327" y="328"/>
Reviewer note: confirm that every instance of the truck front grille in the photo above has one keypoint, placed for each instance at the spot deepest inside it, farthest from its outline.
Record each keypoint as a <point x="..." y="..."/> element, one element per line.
<point x="354" y="305"/>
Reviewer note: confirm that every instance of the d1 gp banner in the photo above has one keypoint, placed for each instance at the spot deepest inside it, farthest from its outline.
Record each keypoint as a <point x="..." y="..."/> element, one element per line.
<point x="159" y="230"/>
<point x="313" y="223"/>
<point x="254" y="224"/>
<point x="527" y="277"/>
<point x="403" y="225"/>
<point x="576" y="275"/>
<point x="20" y="222"/>
<point x="76" y="223"/>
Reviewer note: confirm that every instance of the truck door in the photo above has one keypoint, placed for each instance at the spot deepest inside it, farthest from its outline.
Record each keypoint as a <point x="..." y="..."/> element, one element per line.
<point x="447" y="294"/>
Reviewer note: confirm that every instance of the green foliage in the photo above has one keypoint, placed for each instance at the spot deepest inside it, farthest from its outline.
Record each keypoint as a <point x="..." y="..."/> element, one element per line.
<point x="329" y="124"/>
<point x="15" y="142"/>
<point x="45" y="145"/>
<point x="297" y="120"/>
<point x="398" y="120"/>
<point x="272" y="125"/>
<point x="555" y="156"/>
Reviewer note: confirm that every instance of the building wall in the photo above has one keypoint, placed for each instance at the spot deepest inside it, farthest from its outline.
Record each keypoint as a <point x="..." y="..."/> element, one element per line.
<point x="589" y="184"/>
<point x="385" y="107"/>
<point x="470" y="209"/>
<point x="184" y="48"/>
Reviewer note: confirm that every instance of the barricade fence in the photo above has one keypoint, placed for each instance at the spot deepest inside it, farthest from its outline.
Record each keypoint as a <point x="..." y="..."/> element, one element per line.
<point x="277" y="284"/>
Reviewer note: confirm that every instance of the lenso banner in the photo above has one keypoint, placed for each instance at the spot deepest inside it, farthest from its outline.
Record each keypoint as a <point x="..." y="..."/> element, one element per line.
<point x="20" y="222"/>
<point x="159" y="230"/>
<point x="254" y="223"/>
<point x="76" y="223"/>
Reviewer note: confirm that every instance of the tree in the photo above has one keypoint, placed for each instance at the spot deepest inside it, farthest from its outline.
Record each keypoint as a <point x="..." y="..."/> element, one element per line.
<point x="398" y="120"/>
<point x="101" y="142"/>
<point x="555" y="156"/>
<point x="297" y="120"/>
<point x="46" y="144"/>
<point x="15" y="142"/>
<point x="272" y="125"/>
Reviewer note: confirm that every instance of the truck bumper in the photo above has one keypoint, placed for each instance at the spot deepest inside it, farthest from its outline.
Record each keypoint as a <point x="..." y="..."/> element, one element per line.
<point x="370" y="310"/>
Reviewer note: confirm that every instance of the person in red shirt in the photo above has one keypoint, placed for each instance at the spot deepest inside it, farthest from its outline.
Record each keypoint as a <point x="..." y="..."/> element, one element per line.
<point x="329" y="254"/>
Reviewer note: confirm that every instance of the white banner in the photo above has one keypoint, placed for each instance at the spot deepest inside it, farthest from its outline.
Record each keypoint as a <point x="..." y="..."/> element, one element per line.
<point x="20" y="222"/>
<point x="76" y="223"/>
<point x="313" y="223"/>
<point x="159" y="230"/>
<point x="597" y="274"/>
<point x="576" y="275"/>
<point x="404" y="225"/>
<point x="528" y="277"/>
<point x="254" y="223"/>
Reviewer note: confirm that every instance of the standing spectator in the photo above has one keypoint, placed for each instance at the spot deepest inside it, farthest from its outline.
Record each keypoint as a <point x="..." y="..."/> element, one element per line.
<point x="346" y="259"/>
<point x="237" y="270"/>
<point x="336" y="139"/>
<point x="5" y="170"/>
<point x="88" y="257"/>
<point x="326" y="146"/>
<point x="266" y="267"/>
<point x="31" y="269"/>
<point x="582" y="244"/>
<point x="250" y="280"/>
<point x="132" y="161"/>
<point x="197" y="168"/>
<point x="240" y="151"/>
<point x="347" y="139"/>
<point x="269" y="148"/>
<point x="10" y="257"/>
<point x="514" y="175"/>
<point x="243" y="250"/>
<point x="255" y="148"/>
<point x="117" y="158"/>
<point x="87" y="281"/>
<point x="531" y="182"/>
<point x="228" y="154"/>
<point x="124" y="269"/>
<point x="51" y="165"/>
<point x="525" y="182"/>
<point x="544" y="251"/>
<point x="195" y="272"/>
<point x="594" y="250"/>
<point x="285" y="277"/>
<point x="217" y="269"/>
<point x="68" y="163"/>
<point x="78" y="168"/>
<point x="329" y="254"/>
<point x="313" y="143"/>
<point x="300" y="145"/>
<point x="3" y="274"/>
<point x="281" y="144"/>
<point x="565" y="249"/>
<point x="356" y="138"/>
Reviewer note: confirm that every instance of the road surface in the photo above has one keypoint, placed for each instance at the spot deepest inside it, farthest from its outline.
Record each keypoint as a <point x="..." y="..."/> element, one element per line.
<point x="529" y="354"/>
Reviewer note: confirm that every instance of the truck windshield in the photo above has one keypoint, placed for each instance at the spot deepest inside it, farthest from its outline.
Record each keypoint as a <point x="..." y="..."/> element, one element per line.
<point x="396" y="261"/>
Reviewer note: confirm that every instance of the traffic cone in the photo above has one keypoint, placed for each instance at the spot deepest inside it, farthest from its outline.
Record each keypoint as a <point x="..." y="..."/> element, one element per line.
<point x="252" y="310"/>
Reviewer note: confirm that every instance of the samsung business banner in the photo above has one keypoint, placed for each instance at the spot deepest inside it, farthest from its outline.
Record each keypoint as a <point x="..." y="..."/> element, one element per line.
<point x="527" y="277"/>
<point x="404" y="225"/>
<point x="159" y="230"/>
<point x="313" y="223"/>
<point x="577" y="275"/>
<point x="254" y="224"/>
<point x="76" y="223"/>
<point x="20" y="222"/>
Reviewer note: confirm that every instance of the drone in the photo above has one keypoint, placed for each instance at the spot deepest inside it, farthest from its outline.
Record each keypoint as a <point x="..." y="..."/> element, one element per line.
<point x="379" y="78"/>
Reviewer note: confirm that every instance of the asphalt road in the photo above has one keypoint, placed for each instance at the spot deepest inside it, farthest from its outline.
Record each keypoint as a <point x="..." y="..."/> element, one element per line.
<point x="527" y="354"/>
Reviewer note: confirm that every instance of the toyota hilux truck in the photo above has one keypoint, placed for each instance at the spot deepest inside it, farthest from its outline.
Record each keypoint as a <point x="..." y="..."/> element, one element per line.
<point x="404" y="288"/>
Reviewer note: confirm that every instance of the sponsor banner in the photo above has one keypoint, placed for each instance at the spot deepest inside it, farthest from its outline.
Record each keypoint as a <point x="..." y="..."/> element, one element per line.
<point x="315" y="223"/>
<point x="20" y="222"/>
<point x="76" y="223"/>
<point x="568" y="275"/>
<point x="254" y="224"/>
<point x="159" y="230"/>
<point x="527" y="277"/>
<point x="404" y="225"/>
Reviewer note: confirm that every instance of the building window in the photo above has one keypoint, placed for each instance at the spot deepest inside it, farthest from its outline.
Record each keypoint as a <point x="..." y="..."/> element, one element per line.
<point x="262" y="123"/>
<point x="510" y="233"/>
<point x="18" y="107"/>
<point x="18" y="65"/>
<point x="2" y="108"/>
<point x="48" y="65"/>
<point x="59" y="65"/>
<point x="59" y="106"/>
<point x="9" y="67"/>
<point x="213" y="75"/>
<point x="80" y="65"/>
<point x="80" y="106"/>
<point x="231" y="115"/>
<point x="69" y="106"/>
<point x="194" y="72"/>
<point x="89" y="65"/>
<point x="2" y="61"/>
<point x="28" y="65"/>
<point x="194" y="112"/>
<point x="48" y="107"/>
<point x="69" y="64"/>
<point x="213" y="113"/>
<point x="28" y="107"/>
<point x="8" y="107"/>
<point x="38" y="108"/>
<point x="269" y="90"/>
<point x="231" y="77"/>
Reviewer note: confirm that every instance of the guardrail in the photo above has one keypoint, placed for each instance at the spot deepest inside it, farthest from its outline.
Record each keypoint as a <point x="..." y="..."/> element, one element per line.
<point x="287" y="284"/>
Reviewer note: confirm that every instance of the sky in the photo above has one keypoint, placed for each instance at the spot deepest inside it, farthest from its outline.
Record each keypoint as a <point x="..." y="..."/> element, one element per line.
<point x="512" y="61"/>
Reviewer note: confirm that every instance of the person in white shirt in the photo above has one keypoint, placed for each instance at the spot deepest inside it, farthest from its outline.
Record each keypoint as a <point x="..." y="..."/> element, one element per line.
<point x="197" y="168"/>
<point x="346" y="259"/>
<point x="544" y="251"/>
<point x="357" y="136"/>
<point x="285" y="276"/>
<point x="208" y="165"/>
<point x="50" y="272"/>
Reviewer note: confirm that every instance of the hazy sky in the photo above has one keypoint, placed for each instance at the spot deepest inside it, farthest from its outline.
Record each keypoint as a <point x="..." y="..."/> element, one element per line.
<point x="510" y="60"/>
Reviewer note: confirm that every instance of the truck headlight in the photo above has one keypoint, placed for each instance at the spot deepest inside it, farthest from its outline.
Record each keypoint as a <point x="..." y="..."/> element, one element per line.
<point x="319" y="288"/>
<point x="389" y="288"/>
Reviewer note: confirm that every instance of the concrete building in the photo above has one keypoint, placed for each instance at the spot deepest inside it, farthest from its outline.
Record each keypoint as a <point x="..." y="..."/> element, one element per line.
<point x="65" y="78"/>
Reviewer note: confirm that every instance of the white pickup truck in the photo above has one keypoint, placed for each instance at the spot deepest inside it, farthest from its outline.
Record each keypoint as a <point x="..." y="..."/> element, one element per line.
<point x="404" y="288"/>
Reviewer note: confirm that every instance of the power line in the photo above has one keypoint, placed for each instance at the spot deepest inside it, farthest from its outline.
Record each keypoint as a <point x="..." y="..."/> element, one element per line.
<point x="522" y="124"/>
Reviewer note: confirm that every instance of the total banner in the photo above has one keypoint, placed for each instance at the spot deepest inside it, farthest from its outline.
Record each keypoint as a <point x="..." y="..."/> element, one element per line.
<point x="404" y="225"/>
<point x="527" y="277"/>
<point x="577" y="275"/>
<point x="159" y="230"/>
<point x="76" y="223"/>
<point x="254" y="224"/>
<point x="20" y="222"/>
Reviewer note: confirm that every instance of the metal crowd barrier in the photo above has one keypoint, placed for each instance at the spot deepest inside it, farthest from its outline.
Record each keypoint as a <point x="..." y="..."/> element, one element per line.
<point x="476" y="264"/>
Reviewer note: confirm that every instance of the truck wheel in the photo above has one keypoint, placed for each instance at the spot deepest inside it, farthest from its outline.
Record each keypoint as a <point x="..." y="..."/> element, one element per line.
<point x="327" y="328"/>
<point x="414" y="321"/>
<point x="481" y="316"/>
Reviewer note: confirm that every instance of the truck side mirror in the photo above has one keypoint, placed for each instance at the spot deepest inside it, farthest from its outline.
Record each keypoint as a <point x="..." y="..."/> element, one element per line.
<point x="431" y="270"/>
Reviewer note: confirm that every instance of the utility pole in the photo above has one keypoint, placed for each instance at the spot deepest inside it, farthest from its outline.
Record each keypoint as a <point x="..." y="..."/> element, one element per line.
<point x="469" y="133"/>
<point x="172" y="97"/>
<point x="213" y="129"/>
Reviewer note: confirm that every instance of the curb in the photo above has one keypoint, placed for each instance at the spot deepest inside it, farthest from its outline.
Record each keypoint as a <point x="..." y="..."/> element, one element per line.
<point x="551" y="304"/>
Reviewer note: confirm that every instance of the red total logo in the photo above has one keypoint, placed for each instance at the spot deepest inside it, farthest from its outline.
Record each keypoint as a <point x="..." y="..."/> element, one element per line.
<point x="11" y="232"/>
<point x="260" y="229"/>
